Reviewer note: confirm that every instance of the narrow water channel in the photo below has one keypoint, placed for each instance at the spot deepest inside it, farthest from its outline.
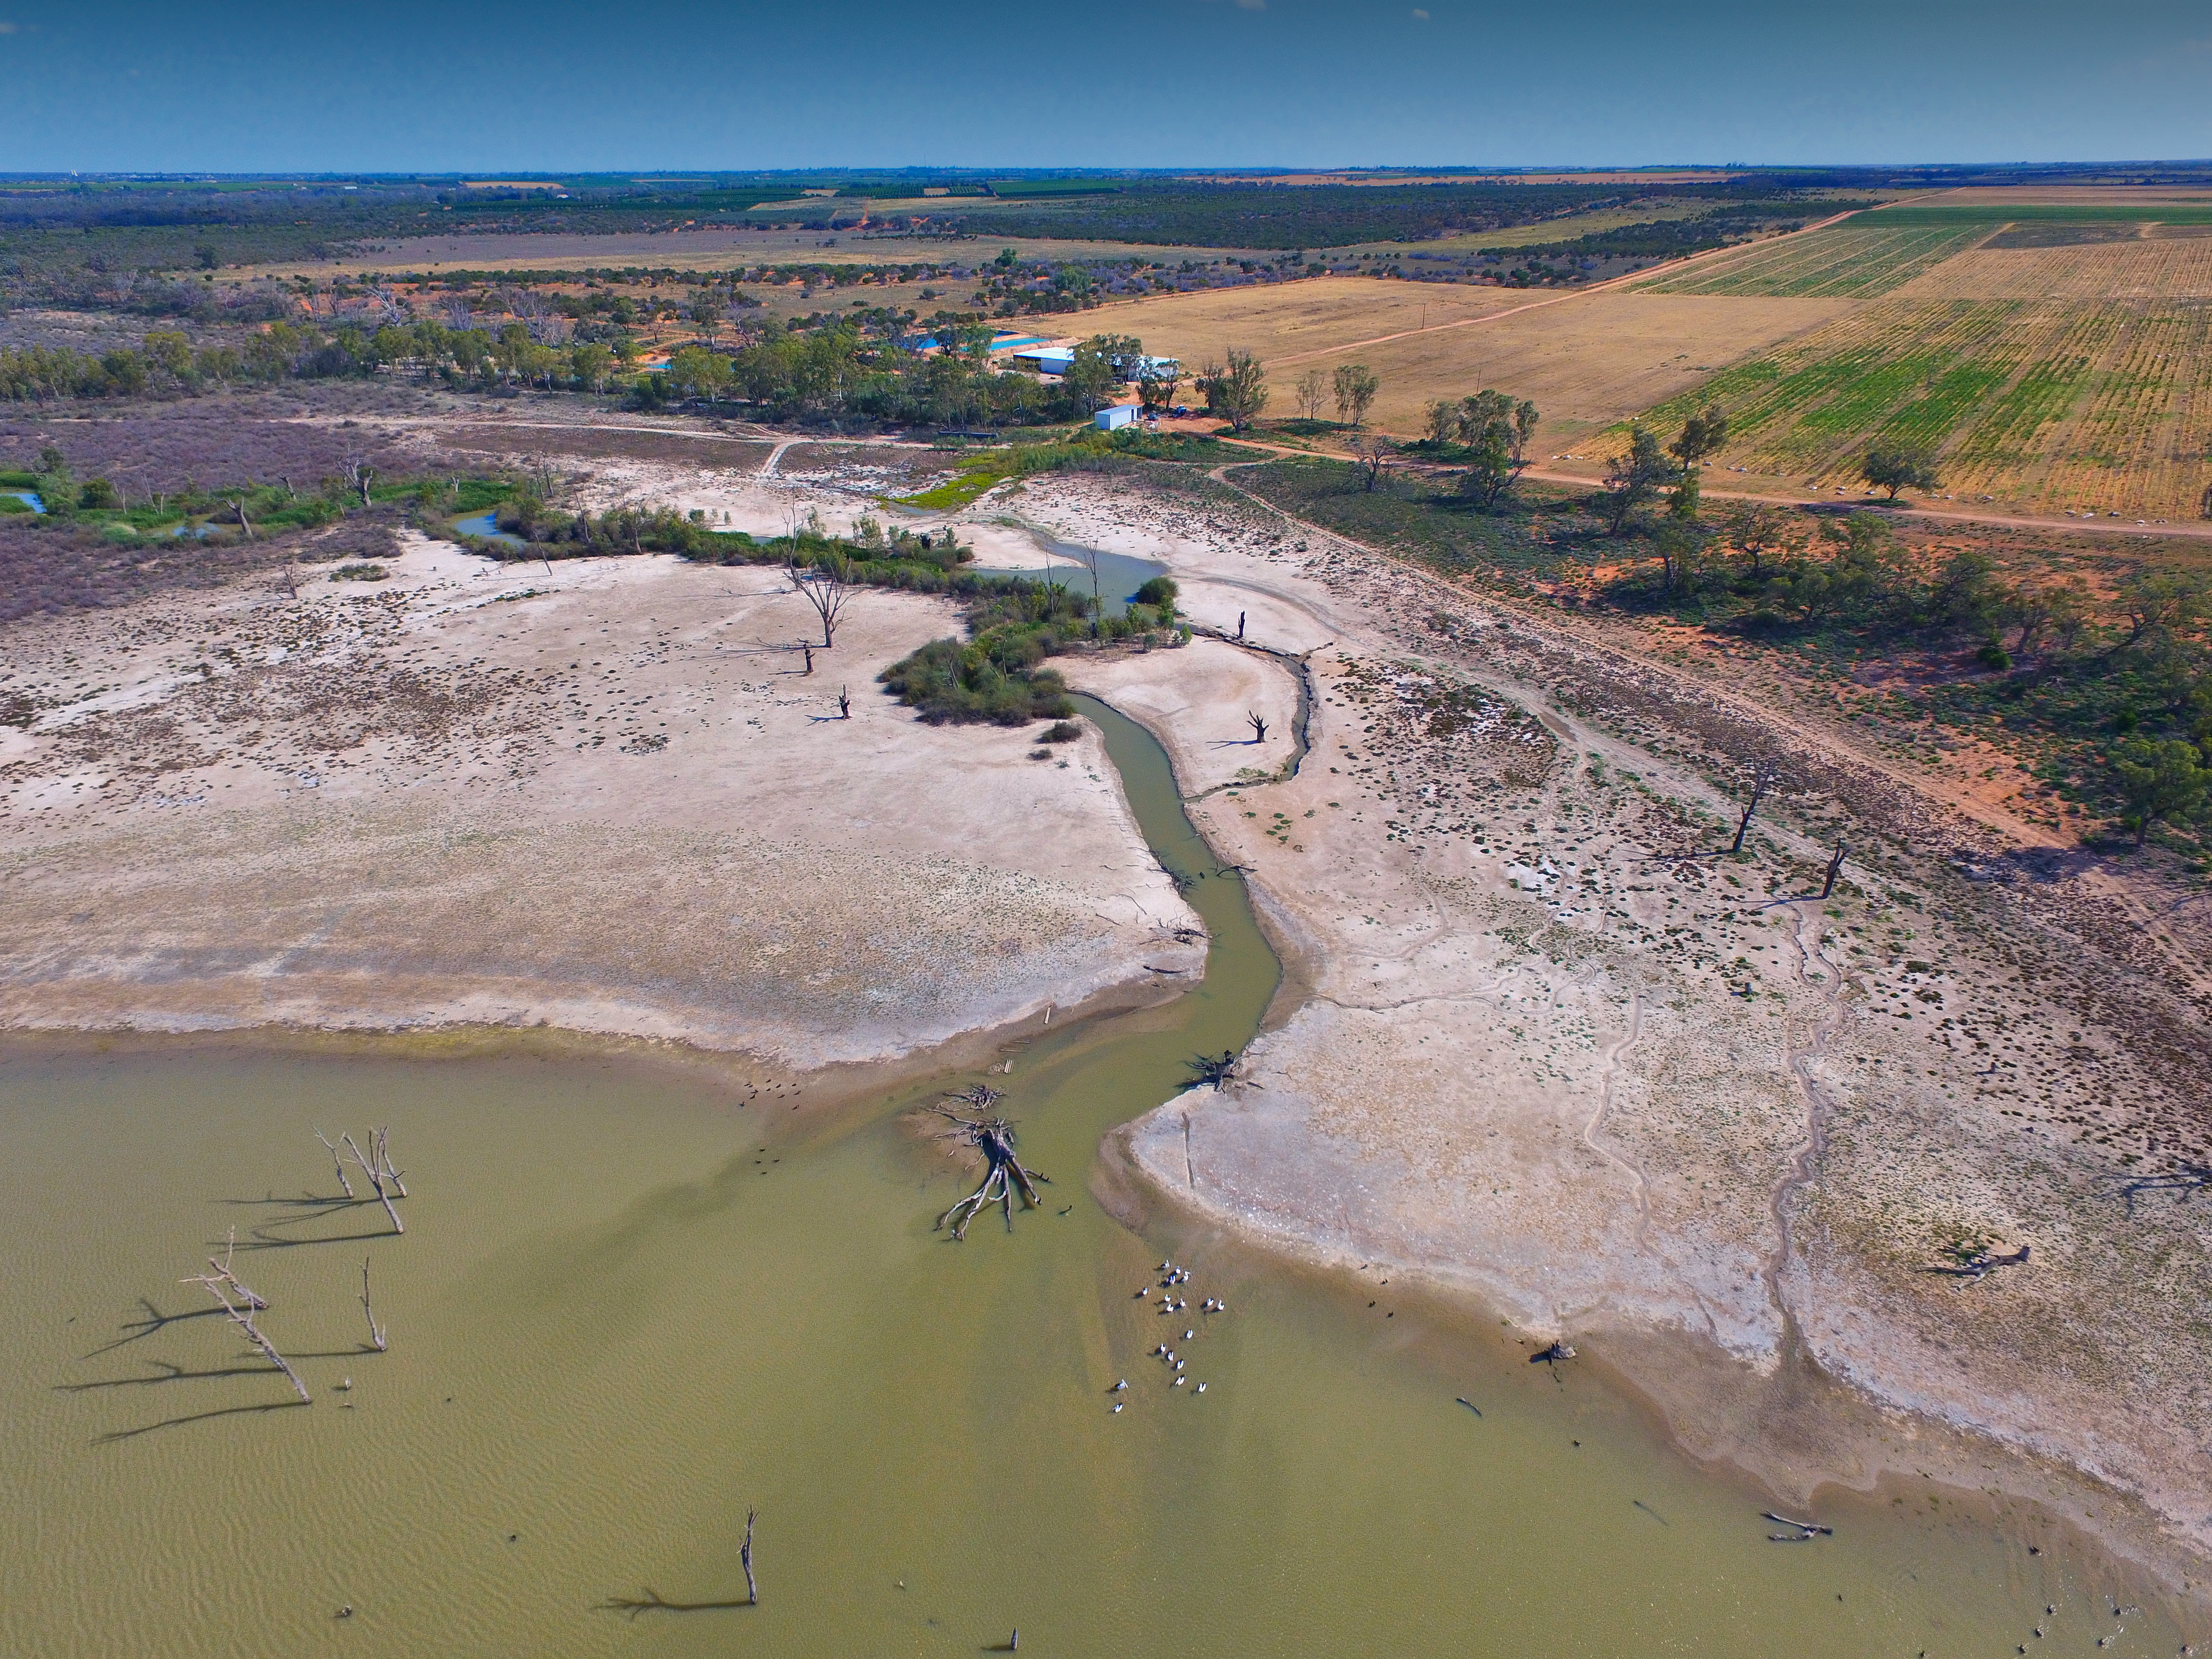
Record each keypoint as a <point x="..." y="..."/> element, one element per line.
<point x="628" y="1310"/>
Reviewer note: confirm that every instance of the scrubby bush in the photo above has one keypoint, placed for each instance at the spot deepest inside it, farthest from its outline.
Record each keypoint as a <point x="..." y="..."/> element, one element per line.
<point x="1159" y="592"/>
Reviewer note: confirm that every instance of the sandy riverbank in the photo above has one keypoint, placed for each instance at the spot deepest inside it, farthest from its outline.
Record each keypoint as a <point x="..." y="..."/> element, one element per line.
<point x="606" y="798"/>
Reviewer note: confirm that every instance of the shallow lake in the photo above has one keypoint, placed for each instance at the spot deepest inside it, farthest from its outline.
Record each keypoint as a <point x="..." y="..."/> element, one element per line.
<point x="486" y="526"/>
<point x="629" y="1308"/>
<point x="1120" y="576"/>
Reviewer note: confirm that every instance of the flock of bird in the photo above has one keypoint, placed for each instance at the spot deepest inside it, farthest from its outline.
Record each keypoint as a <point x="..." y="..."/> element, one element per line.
<point x="1169" y="1302"/>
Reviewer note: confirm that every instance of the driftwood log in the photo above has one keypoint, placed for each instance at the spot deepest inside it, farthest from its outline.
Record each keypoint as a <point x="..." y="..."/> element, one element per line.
<point x="1003" y="1173"/>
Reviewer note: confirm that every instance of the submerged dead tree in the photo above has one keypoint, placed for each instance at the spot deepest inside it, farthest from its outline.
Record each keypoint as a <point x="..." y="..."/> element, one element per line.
<point x="223" y="1285"/>
<point x="375" y="1330"/>
<point x="381" y="1176"/>
<point x="746" y="1558"/>
<point x="337" y="1162"/>
<point x="1003" y="1173"/>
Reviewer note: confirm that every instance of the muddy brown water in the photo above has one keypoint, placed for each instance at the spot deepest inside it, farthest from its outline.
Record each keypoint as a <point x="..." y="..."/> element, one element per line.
<point x="628" y="1309"/>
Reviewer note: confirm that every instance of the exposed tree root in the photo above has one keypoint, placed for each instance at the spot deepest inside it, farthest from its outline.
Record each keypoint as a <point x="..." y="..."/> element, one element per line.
<point x="1003" y="1175"/>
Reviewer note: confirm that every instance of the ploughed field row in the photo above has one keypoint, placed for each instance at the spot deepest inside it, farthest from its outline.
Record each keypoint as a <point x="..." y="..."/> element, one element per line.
<point x="2043" y="404"/>
<point x="1858" y="258"/>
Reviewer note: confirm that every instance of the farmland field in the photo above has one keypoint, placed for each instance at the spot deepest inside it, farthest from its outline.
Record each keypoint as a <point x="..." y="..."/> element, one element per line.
<point x="1859" y="258"/>
<point x="1320" y="314"/>
<point x="2074" y="377"/>
<point x="1586" y="359"/>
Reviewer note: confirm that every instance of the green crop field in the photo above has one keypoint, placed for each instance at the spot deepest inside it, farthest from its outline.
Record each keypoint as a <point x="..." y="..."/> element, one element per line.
<point x="1990" y="215"/>
<point x="1865" y="256"/>
<point x="2049" y="355"/>
<point x="2046" y="403"/>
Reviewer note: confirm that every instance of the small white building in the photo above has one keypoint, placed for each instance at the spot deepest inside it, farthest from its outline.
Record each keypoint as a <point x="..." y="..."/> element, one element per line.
<point x="1114" y="417"/>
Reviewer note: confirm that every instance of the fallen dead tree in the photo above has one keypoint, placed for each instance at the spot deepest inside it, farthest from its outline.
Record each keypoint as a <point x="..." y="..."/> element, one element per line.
<point x="223" y="1285"/>
<point x="1206" y="1070"/>
<point x="1003" y="1173"/>
<point x="1972" y="1264"/>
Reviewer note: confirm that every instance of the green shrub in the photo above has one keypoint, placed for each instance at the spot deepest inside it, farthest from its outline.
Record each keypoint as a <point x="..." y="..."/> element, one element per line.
<point x="1061" y="732"/>
<point x="360" y="573"/>
<point x="950" y="684"/>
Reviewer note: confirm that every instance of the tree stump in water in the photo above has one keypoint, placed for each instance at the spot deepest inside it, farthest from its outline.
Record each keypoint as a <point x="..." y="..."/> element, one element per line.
<point x="1003" y="1173"/>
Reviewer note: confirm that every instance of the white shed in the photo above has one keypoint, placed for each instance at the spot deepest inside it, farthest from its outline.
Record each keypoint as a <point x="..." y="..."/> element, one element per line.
<point x="1114" y="417"/>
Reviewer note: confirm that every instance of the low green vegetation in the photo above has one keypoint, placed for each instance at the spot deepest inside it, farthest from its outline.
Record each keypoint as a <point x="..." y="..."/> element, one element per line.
<point x="1013" y="626"/>
<point x="1086" y="447"/>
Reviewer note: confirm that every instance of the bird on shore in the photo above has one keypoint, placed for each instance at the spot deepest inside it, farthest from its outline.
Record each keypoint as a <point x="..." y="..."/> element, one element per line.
<point x="1118" y="1386"/>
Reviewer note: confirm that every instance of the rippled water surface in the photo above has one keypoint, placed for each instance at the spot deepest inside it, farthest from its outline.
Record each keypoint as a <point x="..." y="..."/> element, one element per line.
<point x="626" y="1310"/>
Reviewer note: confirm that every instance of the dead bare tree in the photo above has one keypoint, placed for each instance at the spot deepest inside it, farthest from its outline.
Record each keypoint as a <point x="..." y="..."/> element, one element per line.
<point x="337" y="1162"/>
<point x="381" y="1176"/>
<point x="844" y="702"/>
<point x="221" y="1283"/>
<point x="2183" y="1181"/>
<point x="1003" y="1173"/>
<point x="238" y="505"/>
<point x="1370" y="455"/>
<point x="1259" y="726"/>
<point x="359" y="476"/>
<point x="375" y="1330"/>
<point x="1762" y="780"/>
<point x="1835" y="869"/>
<point x="826" y="589"/>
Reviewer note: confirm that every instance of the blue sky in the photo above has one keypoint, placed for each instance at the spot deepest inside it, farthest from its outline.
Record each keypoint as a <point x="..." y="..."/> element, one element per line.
<point x="100" y="85"/>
